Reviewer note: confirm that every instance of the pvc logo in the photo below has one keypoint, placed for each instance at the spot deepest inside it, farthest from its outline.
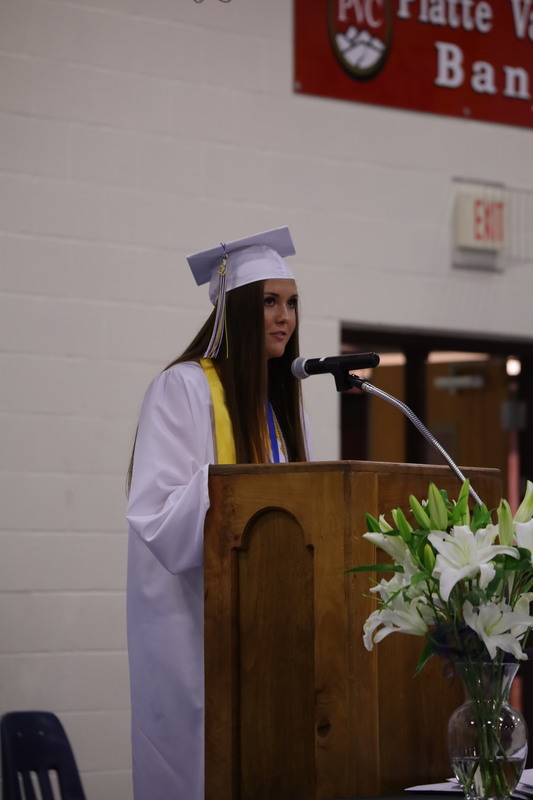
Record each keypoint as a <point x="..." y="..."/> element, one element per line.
<point x="360" y="33"/>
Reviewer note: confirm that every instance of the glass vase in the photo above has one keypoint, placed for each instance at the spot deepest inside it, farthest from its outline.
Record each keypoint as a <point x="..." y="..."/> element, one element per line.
<point x="487" y="737"/>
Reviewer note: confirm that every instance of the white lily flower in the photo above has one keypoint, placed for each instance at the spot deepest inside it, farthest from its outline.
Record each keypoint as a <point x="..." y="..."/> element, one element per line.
<point x="396" y="549"/>
<point x="399" y="616"/>
<point x="393" y="545"/>
<point x="525" y="509"/>
<point x="498" y="626"/>
<point x="524" y="535"/>
<point x="464" y="554"/>
<point x="436" y="563"/>
<point x="387" y="588"/>
<point x="372" y="622"/>
<point x="522" y="604"/>
<point x="384" y="525"/>
<point x="491" y="533"/>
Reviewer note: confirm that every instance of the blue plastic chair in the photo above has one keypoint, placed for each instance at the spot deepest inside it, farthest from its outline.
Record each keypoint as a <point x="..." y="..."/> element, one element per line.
<point x="35" y="744"/>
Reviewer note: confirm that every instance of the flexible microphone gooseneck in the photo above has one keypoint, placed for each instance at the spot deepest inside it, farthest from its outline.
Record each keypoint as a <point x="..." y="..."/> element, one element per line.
<point x="360" y="383"/>
<point x="340" y="367"/>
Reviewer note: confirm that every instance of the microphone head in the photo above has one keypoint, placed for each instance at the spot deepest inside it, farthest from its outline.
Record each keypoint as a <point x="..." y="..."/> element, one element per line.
<point x="298" y="368"/>
<point x="337" y="366"/>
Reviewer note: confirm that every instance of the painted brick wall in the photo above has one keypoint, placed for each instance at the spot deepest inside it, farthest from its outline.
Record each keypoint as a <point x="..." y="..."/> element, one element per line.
<point x="131" y="133"/>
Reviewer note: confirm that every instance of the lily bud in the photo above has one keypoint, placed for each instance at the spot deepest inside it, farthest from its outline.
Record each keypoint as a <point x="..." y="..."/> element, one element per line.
<point x="505" y="524"/>
<point x="462" y="512"/>
<point x="438" y="513"/>
<point x="419" y="513"/>
<point x="429" y="557"/>
<point x="525" y="509"/>
<point x="384" y="525"/>
<point x="402" y="524"/>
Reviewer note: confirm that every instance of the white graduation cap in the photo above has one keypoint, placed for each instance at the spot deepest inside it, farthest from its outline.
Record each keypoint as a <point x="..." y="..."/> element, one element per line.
<point x="254" y="258"/>
<point x="233" y="264"/>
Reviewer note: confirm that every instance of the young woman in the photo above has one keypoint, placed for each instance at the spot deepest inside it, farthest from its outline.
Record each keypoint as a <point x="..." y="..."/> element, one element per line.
<point x="229" y="398"/>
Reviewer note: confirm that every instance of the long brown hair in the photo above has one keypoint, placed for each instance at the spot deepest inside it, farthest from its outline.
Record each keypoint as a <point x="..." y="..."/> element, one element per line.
<point x="248" y="377"/>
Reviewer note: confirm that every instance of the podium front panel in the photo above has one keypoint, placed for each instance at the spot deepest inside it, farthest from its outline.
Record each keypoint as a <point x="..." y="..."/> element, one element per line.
<point x="295" y="707"/>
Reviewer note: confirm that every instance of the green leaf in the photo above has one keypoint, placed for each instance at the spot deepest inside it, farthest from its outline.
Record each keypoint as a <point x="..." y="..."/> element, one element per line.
<point x="519" y="564"/>
<point x="425" y="655"/>
<point x="461" y="512"/>
<point x="375" y="568"/>
<point x="481" y="518"/>
<point x="419" y="577"/>
<point x="475" y="595"/>
<point x="372" y="524"/>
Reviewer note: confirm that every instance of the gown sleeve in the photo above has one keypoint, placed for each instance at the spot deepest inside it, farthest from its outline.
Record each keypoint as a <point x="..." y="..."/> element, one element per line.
<point x="169" y="491"/>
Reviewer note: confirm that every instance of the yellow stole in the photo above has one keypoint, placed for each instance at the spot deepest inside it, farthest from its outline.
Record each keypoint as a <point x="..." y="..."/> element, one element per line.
<point x="223" y="427"/>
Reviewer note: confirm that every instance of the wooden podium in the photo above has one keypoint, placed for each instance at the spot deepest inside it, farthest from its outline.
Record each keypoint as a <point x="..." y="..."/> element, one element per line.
<point x="296" y="708"/>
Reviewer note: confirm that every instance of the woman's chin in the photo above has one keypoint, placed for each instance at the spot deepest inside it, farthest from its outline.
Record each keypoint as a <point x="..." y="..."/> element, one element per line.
<point x="276" y="352"/>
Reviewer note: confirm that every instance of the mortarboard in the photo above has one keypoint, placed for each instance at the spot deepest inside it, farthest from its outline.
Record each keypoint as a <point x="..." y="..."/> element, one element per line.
<point x="250" y="259"/>
<point x="233" y="264"/>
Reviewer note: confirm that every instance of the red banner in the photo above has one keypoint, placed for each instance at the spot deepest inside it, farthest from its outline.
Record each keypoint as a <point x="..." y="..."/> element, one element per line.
<point x="463" y="58"/>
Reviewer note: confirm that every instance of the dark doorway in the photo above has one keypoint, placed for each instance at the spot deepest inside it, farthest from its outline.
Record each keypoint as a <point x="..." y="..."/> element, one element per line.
<point x="476" y="416"/>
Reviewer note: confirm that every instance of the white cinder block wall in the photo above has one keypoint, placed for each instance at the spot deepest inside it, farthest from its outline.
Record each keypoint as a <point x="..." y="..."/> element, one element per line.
<point x="131" y="133"/>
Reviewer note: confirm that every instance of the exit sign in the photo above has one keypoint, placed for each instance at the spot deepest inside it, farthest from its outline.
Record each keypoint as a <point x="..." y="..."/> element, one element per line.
<point x="480" y="219"/>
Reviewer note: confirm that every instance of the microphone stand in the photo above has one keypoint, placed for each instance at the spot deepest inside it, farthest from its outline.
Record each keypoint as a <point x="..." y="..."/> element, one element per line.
<point x="360" y="383"/>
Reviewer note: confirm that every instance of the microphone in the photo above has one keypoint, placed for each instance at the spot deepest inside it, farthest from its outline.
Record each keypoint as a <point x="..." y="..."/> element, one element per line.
<point x="304" y="367"/>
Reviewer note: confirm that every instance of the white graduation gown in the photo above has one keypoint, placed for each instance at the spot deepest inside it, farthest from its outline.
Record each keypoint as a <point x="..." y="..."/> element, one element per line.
<point x="166" y="513"/>
<point x="165" y="604"/>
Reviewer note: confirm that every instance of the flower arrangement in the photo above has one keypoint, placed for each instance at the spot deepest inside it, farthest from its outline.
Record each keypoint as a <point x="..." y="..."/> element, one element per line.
<point x="464" y="584"/>
<point x="459" y="580"/>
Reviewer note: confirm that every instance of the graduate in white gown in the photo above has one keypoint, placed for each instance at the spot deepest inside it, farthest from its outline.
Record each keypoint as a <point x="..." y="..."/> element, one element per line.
<point x="230" y="398"/>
